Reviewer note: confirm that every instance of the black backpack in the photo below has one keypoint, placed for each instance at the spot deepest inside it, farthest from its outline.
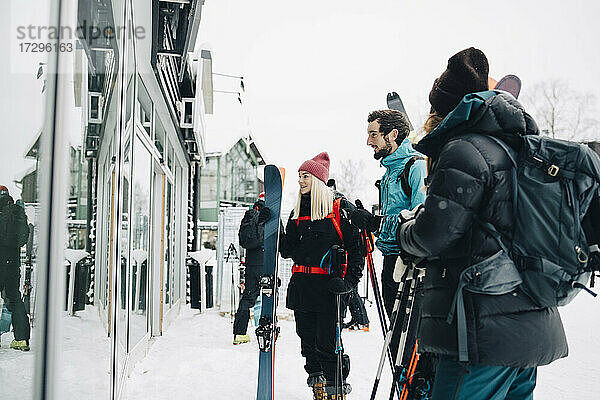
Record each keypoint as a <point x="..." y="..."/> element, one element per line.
<point x="251" y="233"/>
<point x="404" y="182"/>
<point x="556" y="200"/>
<point x="554" y="249"/>
<point x="14" y="230"/>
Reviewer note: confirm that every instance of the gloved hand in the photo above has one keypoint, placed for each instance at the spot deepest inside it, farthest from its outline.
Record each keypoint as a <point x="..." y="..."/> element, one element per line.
<point x="264" y="214"/>
<point x="339" y="286"/>
<point x="399" y="269"/>
<point x="408" y="215"/>
<point x="402" y="263"/>
<point x="363" y="219"/>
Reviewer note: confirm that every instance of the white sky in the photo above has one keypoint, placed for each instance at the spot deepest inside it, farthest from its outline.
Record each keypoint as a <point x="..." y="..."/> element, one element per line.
<point x="314" y="69"/>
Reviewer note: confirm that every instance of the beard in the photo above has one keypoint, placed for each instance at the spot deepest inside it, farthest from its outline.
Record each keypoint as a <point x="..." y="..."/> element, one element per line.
<point x="382" y="153"/>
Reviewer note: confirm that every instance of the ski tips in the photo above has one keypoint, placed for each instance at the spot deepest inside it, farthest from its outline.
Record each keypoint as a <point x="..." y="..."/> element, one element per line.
<point x="394" y="102"/>
<point x="282" y="173"/>
<point x="509" y="83"/>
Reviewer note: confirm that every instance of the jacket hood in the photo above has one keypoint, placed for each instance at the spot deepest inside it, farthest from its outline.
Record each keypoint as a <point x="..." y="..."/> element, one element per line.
<point x="493" y="113"/>
<point x="5" y="199"/>
<point x="400" y="156"/>
<point x="258" y="205"/>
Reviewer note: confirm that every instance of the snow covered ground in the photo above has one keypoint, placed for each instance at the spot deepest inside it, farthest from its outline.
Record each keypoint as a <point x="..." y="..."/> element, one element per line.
<point x="196" y="360"/>
<point x="84" y="360"/>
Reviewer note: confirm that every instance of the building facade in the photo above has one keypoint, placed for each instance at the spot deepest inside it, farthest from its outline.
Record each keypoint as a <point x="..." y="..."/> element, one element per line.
<point x="114" y="183"/>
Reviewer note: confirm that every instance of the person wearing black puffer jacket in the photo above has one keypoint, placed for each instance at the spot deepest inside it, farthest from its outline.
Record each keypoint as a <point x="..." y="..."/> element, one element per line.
<point x="507" y="336"/>
<point x="14" y="232"/>
<point x="315" y="225"/>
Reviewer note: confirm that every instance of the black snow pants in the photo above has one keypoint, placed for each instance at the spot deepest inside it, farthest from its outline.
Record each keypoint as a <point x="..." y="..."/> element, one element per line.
<point x="10" y="279"/>
<point x="317" y="343"/>
<point x="249" y="296"/>
<point x="357" y="309"/>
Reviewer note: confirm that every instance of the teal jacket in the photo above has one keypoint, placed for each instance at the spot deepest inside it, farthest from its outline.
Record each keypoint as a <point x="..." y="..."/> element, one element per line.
<point x="393" y="198"/>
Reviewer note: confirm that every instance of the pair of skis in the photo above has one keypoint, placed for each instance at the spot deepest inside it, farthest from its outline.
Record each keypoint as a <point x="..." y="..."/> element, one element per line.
<point x="267" y="330"/>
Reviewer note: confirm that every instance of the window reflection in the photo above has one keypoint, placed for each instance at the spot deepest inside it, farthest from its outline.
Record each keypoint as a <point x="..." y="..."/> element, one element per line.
<point x="140" y="226"/>
<point x="117" y="205"/>
<point x="168" y="235"/>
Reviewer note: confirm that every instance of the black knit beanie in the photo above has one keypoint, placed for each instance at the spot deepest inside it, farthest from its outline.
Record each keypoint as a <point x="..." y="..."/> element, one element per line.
<point x="467" y="72"/>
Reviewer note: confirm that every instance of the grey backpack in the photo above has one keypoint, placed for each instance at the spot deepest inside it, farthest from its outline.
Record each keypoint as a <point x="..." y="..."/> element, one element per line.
<point x="554" y="249"/>
<point x="556" y="202"/>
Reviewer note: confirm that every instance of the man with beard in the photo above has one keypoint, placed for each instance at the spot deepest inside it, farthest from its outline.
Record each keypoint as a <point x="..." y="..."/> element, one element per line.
<point x="401" y="188"/>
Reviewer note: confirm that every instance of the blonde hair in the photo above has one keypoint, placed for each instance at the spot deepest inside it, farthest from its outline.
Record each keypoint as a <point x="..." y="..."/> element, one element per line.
<point x="433" y="120"/>
<point x="321" y="200"/>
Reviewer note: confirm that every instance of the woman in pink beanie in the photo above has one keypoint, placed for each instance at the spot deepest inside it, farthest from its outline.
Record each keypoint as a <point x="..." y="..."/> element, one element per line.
<point x="317" y="223"/>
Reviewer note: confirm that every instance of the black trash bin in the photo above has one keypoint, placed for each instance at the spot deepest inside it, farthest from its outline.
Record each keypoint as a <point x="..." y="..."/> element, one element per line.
<point x="208" y="269"/>
<point x="82" y="284"/>
<point x="194" y="270"/>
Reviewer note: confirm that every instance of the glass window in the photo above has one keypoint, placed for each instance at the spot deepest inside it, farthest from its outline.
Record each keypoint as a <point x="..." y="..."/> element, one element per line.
<point x="123" y="267"/>
<point x="140" y="240"/>
<point x="168" y="249"/>
<point x="170" y="157"/>
<point x="160" y="138"/>
<point x="177" y="242"/>
<point x="23" y="189"/>
<point x="145" y="108"/>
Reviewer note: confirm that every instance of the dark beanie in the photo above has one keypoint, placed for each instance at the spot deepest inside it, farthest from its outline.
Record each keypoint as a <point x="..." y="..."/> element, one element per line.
<point x="467" y="72"/>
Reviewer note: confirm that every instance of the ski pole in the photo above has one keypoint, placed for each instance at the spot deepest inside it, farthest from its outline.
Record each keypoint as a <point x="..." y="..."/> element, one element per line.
<point x="368" y="238"/>
<point x="388" y="336"/>
<point x="337" y="255"/>
<point x="399" y="369"/>
<point x="339" y="377"/>
<point x="414" y="359"/>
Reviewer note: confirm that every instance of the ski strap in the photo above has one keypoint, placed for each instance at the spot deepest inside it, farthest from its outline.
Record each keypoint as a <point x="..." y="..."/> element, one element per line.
<point x="404" y="175"/>
<point x="334" y="216"/>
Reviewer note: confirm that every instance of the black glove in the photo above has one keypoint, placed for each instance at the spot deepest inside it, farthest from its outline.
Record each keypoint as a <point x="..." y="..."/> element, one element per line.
<point x="339" y="286"/>
<point x="363" y="219"/>
<point x="264" y="214"/>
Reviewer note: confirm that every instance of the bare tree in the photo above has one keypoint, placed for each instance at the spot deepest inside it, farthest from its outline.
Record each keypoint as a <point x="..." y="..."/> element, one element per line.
<point x="351" y="180"/>
<point x="562" y="112"/>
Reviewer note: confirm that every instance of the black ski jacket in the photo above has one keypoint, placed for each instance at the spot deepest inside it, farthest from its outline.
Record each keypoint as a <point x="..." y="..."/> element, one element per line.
<point x="306" y="242"/>
<point x="471" y="178"/>
<point x="252" y="235"/>
<point x="14" y="229"/>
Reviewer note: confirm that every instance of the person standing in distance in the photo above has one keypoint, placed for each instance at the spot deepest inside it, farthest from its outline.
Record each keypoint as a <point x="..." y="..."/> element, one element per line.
<point x="252" y="238"/>
<point x="14" y="232"/>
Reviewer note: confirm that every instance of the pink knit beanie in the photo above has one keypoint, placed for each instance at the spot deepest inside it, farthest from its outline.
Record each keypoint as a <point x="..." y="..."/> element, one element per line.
<point x="317" y="166"/>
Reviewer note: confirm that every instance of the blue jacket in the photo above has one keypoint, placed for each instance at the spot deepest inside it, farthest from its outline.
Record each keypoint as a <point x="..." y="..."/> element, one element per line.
<point x="393" y="198"/>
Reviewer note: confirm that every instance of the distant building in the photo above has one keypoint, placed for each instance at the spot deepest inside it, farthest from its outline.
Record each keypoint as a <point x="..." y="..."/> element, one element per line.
<point x="229" y="178"/>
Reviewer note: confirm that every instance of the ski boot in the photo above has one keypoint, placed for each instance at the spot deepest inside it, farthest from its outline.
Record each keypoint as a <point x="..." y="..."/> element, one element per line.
<point x="348" y="325"/>
<point x="317" y="382"/>
<point x="22" y="345"/>
<point x="359" y="327"/>
<point x="330" y="391"/>
<point x="240" y="339"/>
